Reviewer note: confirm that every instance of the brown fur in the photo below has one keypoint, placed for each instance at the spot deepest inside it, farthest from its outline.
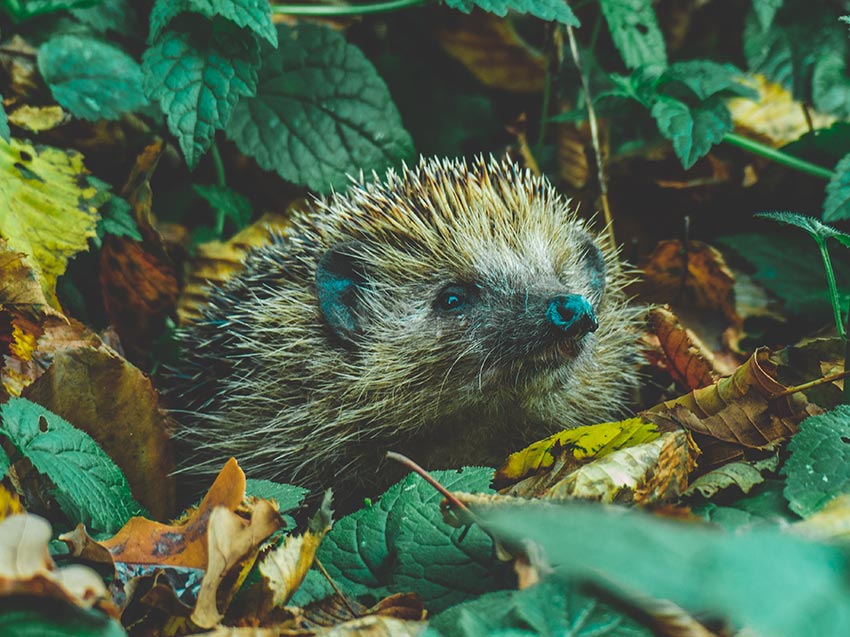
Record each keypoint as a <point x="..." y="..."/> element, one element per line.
<point x="265" y="379"/>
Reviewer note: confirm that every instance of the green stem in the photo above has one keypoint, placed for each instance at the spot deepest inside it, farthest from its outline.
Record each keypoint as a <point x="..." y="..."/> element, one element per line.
<point x="778" y="156"/>
<point x="833" y="288"/>
<point x="219" y="166"/>
<point x="344" y="10"/>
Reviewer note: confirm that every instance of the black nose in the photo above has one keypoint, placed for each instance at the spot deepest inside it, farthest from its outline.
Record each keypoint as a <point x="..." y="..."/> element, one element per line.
<point x="572" y="315"/>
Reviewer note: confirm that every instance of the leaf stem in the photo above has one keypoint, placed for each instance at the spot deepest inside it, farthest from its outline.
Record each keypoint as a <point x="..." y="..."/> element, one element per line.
<point x="220" y="178"/>
<point x="833" y="288"/>
<point x="778" y="156"/>
<point x="345" y="10"/>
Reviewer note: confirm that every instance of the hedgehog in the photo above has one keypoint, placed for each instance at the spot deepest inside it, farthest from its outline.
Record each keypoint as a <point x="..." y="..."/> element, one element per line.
<point x="454" y="311"/>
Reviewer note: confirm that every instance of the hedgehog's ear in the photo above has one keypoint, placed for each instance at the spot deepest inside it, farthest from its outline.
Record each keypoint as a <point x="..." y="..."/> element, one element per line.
<point x="339" y="276"/>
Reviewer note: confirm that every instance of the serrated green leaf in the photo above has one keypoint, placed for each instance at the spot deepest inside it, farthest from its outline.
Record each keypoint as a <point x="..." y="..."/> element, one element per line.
<point x="765" y="11"/>
<point x="45" y="617"/>
<point x="768" y="51"/>
<point x="90" y="488"/>
<point x="92" y="79"/>
<point x="693" y="131"/>
<point x="5" y="133"/>
<point x="255" y="15"/>
<point x="401" y="544"/>
<point x="21" y="10"/>
<point x="768" y="581"/>
<point x="831" y="86"/>
<point x="818" y="468"/>
<point x="116" y="16"/>
<point x="706" y="79"/>
<point x="799" y="281"/>
<point x="543" y="9"/>
<point x="321" y="112"/>
<point x="287" y="496"/>
<point x="634" y="30"/>
<point x="817" y="230"/>
<point x="198" y="77"/>
<point x="836" y="206"/>
<point x="227" y="204"/>
<point x="548" y="609"/>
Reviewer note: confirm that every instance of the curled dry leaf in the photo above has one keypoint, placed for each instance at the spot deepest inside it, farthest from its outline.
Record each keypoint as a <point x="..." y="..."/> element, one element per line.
<point x="492" y="51"/>
<point x="105" y="396"/>
<point x="217" y="261"/>
<point x="690" y="363"/>
<point x="743" y="411"/>
<point x="371" y="626"/>
<point x="26" y="568"/>
<point x="335" y="610"/>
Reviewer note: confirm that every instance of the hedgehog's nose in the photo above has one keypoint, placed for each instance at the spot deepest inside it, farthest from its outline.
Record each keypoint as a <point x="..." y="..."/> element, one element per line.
<point x="572" y="315"/>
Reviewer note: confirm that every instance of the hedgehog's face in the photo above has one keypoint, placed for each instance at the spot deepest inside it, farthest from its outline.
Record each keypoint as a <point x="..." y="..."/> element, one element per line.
<point x="517" y="312"/>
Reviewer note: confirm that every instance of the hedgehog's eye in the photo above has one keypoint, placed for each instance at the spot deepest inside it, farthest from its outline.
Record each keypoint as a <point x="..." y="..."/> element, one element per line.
<point x="452" y="298"/>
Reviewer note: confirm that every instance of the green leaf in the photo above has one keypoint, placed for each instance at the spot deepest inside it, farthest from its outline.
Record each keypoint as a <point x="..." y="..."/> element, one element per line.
<point x="768" y="51"/>
<point x="198" y="77"/>
<point x="635" y="31"/>
<point x="836" y="206"/>
<point x="544" y="9"/>
<point x="792" y="269"/>
<point x="92" y="79"/>
<point x="255" y="15"/>
<point x="227" y="204"/>
<point x="831" y="86"/>
<point x="766" y="580"/>
<point x="107" y="16"/>
<point x="744" y="475"/>
<point x="401" y="544"/>
<point x="44" y="617"/>
<point x="321" y="112"/>
<point x="817" y="230"/>
<point x="21" y="10"/>
<point x="548" y="609"/>
<point x="706" y="79"/>
<point x="765" y="11"/>
<point x="5" y="133"/>
<point x="818" y="468"/>
<point x="287" y="496"/>
<point x="693" y="131"/>
<point x="89" y="487"/>
<point x="5" y="463"/>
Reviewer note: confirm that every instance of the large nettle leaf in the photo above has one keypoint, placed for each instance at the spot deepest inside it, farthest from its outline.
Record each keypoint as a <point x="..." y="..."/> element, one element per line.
<point x="543" y="9"/>
<point x="89" y="486"/>
<point x="92" y="79"/>
<point x="836" y="207"/>
<point x="198" y="76"/>
<point x="255" y="15"/>
<point x="402" y="544"/>
<point x="321" y="112"/>
<point x="635" y="31"/>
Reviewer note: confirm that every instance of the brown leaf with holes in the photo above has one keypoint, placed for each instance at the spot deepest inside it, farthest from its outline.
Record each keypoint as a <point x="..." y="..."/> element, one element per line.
<point x="103" y="395"/>
<point x="492" y="51"/>
<point x="686" y="358"/>
<point x="138" y="279"/>
<point x="744" y="411"/>
<point x="217" y="261"/>
<point x="143" y="541"/>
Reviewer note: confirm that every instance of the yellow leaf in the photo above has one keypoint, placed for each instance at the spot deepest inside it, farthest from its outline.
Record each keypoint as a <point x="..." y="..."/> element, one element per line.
<point x="37" y="118"/>
<point x="583" y="443"/>
<point x="46" y="208"/>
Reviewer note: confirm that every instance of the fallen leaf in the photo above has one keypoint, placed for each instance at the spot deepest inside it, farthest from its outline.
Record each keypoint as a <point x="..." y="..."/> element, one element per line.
<point x="688" y="360"/>
<point x="38" y="118"/>
<point x="492" y="51"/>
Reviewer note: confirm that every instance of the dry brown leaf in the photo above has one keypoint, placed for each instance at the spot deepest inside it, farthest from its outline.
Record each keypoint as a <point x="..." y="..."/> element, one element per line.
<point x="217" y="261"/>
<point x="26" y="567"/>
<point x="333" y="610"/>
<point x="233" y="546"/>
<point x="742" y="411"/>
<point x="571" y="154"/>
<point x="103" y="395"/>
<point x="492" y="51"/>
<point x="143" y="541"/>
<point x="688" y="360"/>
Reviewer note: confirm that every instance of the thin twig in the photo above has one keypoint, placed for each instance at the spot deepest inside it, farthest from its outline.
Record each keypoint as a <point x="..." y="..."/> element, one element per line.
<point x="331" y="581"/>
<point x="594" y="135"/>
<point x="448" y="495"/>
<point x="814" y="383"/>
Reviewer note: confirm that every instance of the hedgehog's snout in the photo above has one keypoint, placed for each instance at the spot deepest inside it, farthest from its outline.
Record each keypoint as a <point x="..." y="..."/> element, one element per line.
<point x="571" y="315"/>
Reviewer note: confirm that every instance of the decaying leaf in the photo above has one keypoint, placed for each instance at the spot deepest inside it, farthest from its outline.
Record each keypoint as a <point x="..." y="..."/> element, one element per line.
<point x="743" y="411"/>
<point x="216" y="261"/>
<point x="26" y="568"/>
<point x="38" y="118"/>
<point x="335" y="610"/>
<point x="565" y="451"/>
<point x="492" y="51"/>
<point x="744" y="475"/>
<point x="688" y="360"/>
<point x="832" y="522"/>
<point x="46" y="209"/>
